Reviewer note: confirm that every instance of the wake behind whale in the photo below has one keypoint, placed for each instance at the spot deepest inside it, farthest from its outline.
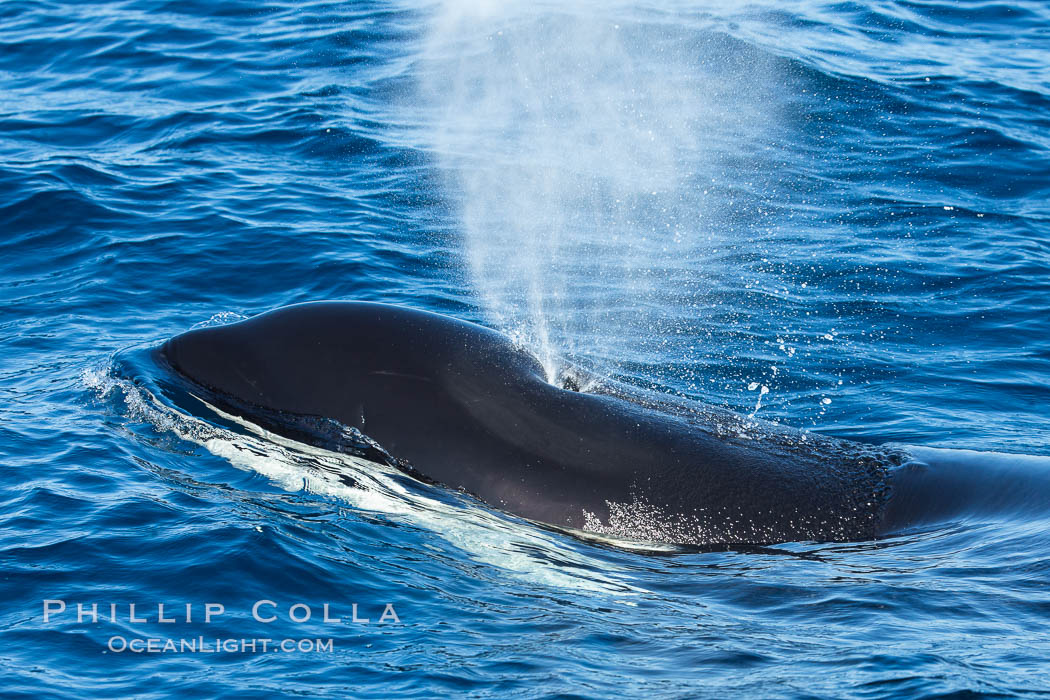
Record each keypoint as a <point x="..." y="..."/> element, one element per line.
<point x="460" y="405"/>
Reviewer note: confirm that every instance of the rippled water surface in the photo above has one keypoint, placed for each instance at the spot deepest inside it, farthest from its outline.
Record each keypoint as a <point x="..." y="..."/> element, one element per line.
<point x="835" y="216"/>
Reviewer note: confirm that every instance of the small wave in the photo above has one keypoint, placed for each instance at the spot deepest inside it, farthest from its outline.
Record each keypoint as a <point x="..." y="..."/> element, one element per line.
<point x="526" y="552"/>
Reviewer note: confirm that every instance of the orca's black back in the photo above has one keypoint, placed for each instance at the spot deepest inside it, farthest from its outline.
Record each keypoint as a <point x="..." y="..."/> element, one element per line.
<point x="467" y="408"/>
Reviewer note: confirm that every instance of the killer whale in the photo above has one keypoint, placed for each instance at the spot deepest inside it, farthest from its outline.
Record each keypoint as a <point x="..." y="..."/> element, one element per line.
<point x="461" y="405"/>
<point x="457" y="404"/>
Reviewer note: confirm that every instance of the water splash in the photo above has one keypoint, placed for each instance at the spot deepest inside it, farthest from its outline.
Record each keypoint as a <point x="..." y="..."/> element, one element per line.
<point x="529" y="554"/>
<point x="584" y="146"/>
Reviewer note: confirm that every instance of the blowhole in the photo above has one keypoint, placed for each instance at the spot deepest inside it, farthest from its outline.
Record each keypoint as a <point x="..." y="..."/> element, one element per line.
<point x="570" y="383"/>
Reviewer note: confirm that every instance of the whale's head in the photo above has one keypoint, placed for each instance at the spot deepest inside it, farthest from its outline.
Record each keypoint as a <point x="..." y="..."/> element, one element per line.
<point x="337" y="359"/>
<point x="227" y="360"/>
<point x="313" y="358"/>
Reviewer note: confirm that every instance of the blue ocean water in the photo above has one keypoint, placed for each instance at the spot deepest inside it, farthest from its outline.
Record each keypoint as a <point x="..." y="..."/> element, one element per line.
<point x="832" y="215"/>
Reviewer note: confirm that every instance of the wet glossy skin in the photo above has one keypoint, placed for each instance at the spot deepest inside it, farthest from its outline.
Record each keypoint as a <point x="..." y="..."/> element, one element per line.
<point x="466" y="408"/>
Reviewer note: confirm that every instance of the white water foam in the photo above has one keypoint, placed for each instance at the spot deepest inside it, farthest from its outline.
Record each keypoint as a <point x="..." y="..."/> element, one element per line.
<point x="486" y="536"/>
